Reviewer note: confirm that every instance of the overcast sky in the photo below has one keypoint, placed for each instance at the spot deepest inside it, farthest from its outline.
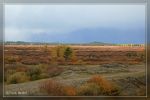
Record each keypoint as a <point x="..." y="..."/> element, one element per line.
<point x="75" y="23"/>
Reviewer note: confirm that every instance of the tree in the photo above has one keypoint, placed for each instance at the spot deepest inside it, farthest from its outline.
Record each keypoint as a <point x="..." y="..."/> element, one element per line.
<point x="68" y="53"/>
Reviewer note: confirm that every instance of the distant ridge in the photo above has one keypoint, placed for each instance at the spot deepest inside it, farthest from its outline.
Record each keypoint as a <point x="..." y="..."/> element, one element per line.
<point x="100" y="43"/>
<point x="57" y="43"/>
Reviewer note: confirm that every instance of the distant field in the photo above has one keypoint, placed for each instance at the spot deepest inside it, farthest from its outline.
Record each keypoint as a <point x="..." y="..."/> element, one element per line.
<point x="88" y="54"/>
<point x="76" y="70"/>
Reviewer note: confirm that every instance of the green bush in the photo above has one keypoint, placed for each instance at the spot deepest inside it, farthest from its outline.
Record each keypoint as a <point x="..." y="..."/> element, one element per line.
<point x="18" y="77"/>
<point x="34" y="73"/>
<point x="68" y="53"/>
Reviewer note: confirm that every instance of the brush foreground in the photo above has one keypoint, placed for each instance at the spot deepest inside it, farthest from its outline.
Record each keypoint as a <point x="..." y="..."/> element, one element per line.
<point x="38" y="70"/>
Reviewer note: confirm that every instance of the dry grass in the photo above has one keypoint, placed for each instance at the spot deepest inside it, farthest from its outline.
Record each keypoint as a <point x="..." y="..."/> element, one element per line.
<point x="52" y="87"/>
<point x="89" y="89"/>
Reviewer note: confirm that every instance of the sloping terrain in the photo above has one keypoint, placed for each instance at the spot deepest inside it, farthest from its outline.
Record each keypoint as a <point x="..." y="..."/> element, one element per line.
<point x="129" y="78"/>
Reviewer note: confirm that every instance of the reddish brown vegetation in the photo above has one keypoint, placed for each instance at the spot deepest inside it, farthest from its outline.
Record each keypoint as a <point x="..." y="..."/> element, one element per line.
<point x="33" y="55"/>
<point x="55" y="88"/>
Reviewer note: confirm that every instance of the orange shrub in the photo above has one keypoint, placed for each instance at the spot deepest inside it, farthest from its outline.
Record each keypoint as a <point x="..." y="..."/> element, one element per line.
<point x="107" y="87"/>
<point x="69" y="91"/>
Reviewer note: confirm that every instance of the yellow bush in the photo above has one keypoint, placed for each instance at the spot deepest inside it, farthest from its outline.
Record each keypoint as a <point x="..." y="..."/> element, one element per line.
<point x="18" y="77"/>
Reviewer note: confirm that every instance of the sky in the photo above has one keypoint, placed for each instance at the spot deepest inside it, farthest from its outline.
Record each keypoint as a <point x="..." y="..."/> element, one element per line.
<point x="75" y="23"/>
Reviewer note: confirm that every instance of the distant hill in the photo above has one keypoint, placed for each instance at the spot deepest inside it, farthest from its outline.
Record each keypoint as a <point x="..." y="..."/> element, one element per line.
<point x="53" y="43"/>
<point x="57" y="43"/>
<point x="100" y="43"/>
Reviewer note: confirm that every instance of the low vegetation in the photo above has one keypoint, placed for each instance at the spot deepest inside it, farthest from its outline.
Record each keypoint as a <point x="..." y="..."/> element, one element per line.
<point x="32" y="72"/>
<point x="95" y="86"/>
<point x="64" y="65"/>
<point x="18" y="77"/>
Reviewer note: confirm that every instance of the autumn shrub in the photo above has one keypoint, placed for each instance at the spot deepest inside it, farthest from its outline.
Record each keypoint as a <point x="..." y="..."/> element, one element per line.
<point x="18" y="77"/>
<point x="106" y="87"/>
<point x="96" y="86"/>
<point x="69" y="91"/>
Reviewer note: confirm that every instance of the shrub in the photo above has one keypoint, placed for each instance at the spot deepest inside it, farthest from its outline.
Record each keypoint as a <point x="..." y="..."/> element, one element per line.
<point x="107" y="88"/>
<point x="69" y="91"/>
<point x="58" y="51"/>
<point x="10" y="59"/>
<point x="34" y="73"/>
<point x="17" y="77"/>
<point x="8" y="73"/>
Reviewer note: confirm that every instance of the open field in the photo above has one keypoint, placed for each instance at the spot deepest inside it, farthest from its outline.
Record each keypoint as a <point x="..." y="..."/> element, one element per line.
<point x="109" y="70"/>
